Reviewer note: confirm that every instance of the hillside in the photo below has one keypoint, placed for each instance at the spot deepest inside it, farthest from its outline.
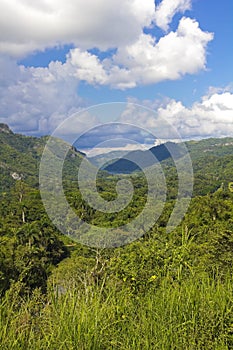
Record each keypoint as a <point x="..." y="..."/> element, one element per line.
<point x="20" y="158"/>
<point x="212" y="161"/>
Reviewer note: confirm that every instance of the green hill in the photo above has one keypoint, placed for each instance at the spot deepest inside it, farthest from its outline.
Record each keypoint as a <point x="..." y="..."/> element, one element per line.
<point x="20" y="158"/>
<point x="212" y="161"/>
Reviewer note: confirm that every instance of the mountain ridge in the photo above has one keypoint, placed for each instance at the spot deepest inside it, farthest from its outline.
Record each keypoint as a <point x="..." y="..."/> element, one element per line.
<point x="197" y="149"/>
<point x="20" y="159"/>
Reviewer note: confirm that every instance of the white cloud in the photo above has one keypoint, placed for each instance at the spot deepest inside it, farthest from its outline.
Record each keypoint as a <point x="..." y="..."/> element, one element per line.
<point x="87" y="67"/>
<point x="167" y="9"/>
<point x="37" y="99"/>
<point x="171" y="120"/>
<point x="26" y="26"/>
<point x="139" y="58"/>
<point x="213" y="116"/>
<point x="147" y="61"/>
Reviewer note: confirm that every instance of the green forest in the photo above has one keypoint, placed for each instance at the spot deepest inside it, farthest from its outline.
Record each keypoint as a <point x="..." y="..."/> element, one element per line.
<point x="163" y="291"/>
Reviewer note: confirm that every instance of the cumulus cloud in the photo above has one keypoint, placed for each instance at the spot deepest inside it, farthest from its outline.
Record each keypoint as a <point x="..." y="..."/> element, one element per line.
<point x="86" y="66"/>
<point x="26" y="25"/>
<point x="37" y="99"/>
<point x="139" y="58"/>
<point x="146" y="61"/>
<point x="167" y="9"/>
<point x="211" y="117"/>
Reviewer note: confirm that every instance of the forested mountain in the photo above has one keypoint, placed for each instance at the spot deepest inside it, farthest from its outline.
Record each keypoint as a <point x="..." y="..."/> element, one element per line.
<point x="128" y="163"/>
<point x="212" y="161"/>
<point x="20" y="158"/>
<point x="165" y="290"/>
<point x="198" y="150"/>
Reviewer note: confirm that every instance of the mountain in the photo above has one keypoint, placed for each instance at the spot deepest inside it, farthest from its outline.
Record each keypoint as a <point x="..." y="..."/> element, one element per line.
<point x="210" y="147"/>
<point x="20" y="158"/>
<point x="100" y="159"/>
<point x="4" y="128"/>
<point x="202" y="149"/>
<point x="212" y="161"/>
<point x="137" y="160"/>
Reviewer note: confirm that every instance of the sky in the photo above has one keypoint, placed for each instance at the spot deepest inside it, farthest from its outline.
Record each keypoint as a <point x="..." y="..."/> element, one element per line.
<point x="172" y="56"/>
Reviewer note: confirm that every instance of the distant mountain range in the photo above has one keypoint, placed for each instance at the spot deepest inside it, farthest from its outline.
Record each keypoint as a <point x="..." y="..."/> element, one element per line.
<point x="137" y="160"/>
<point x="212" y="160"/>
<point x="103" y="158"/>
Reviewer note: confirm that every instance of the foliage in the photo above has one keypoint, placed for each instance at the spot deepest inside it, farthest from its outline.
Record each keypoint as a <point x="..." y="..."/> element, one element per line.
<point x="164" y="291"/>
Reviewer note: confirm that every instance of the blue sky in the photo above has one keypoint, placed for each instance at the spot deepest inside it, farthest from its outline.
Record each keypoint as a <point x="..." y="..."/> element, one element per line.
<point x="173" y="56"/>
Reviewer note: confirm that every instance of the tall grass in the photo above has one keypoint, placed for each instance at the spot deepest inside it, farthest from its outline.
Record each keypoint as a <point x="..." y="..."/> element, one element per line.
<point x="192" y="314"/>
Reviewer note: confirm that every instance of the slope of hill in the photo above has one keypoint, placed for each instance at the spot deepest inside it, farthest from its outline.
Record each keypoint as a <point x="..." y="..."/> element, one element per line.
<point x="20" y="158"/>
<point x="212" y="146"/>
<point x="212" y="161"/>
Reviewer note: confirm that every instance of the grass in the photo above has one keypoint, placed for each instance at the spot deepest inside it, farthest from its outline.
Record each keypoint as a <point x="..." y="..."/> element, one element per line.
<point x="192" y="314"/>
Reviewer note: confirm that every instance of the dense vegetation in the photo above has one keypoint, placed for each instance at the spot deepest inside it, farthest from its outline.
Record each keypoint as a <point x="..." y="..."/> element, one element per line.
<point x="164" y="291"/>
